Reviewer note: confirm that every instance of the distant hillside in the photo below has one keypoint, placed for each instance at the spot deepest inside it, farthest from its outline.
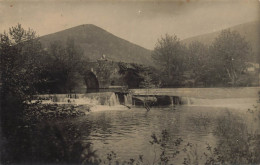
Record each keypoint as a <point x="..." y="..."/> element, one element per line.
<point x="251" y="32"/>
<point x="96" y="41"/>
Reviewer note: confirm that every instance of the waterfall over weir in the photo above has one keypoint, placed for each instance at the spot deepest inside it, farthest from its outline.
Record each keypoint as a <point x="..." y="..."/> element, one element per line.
<point x="113" y="100"/>
<point x="128" y="99"/>
<point x="100" y="98"/>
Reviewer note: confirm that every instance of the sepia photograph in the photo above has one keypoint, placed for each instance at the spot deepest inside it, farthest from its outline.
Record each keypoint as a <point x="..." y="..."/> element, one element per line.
<point x="129" y="82"/>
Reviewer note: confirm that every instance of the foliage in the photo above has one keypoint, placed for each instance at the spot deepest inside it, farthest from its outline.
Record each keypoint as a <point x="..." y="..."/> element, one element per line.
<point x="229" y="54"/>
<point x="237" y="144"/>
<point x="20" y="68"/>
<point x="48" y="144"/>
<point x="162" y="142"/>
<point x="192" y="156"/>
<point x="64" y="67"/>
<point x="22" y="72"/>
<point x="135" y="75"/>
<point x="147" y="81"/>
<point x="223" y="63"/>
<point x="130" y="74"/>
<point x="198" y="63"/>
<point x="20" y="62"/>
<point x="169" y="55"/>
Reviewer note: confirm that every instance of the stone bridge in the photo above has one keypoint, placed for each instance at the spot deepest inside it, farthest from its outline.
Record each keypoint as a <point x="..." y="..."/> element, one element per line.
<point x="101" y="75"/>
<point x="107" y="75"/>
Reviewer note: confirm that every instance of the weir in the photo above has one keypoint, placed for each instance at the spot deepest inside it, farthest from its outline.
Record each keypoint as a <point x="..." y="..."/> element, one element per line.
<point x="114" y="98"/>
<point x="238" y="97"/>
<point x="100" y="98"/>
<point x="159" y="100"/>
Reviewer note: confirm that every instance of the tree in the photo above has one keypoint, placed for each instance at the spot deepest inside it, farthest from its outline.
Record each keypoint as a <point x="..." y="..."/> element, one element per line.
<point x="75" y="64"/>
<point x="20" y="54"/>
<point x="229" y="53"/>
<point x="20" y="63"/>
<point x="147" y="82"/>
<point x="65" y="66"/>
<point x="198" y="62"/>
<point x="169" y="55"/>
<point x="131" y="74"/>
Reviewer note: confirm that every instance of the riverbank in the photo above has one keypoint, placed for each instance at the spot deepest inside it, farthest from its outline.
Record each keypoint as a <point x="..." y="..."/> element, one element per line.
<point x="59" y="110"/>
<point x="62" y="106"/>
<point x="55" y="111"/>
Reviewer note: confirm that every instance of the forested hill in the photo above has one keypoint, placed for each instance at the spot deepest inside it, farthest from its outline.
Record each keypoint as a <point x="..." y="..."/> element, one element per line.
<point x="95" y="42"/>
<point x="250" y="30"/>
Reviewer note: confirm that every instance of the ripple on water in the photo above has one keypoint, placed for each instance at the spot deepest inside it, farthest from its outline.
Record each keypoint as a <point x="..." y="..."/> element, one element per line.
<point x="128" y="133"/>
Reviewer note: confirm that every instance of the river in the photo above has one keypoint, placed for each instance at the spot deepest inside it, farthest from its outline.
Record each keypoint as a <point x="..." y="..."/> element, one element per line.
<point x="128" y="132"/>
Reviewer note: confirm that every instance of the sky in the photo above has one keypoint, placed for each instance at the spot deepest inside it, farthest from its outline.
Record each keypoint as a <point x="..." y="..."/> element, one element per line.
<point x="140" y="22"/>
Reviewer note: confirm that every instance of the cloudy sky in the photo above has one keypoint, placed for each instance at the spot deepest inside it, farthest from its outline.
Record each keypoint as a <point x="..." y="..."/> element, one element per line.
<point x="140" y="22"/>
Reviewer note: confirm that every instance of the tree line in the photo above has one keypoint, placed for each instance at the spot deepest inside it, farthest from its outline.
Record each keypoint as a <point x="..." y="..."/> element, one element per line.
<point x="26" y="64"/>
<point x="223" y="63"/>
<point x="28" y="68"/>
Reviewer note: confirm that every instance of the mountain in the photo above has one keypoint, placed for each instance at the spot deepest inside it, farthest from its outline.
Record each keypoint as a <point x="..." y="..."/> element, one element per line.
<point x="95" y="42"/>
<point x="250" y="30"/>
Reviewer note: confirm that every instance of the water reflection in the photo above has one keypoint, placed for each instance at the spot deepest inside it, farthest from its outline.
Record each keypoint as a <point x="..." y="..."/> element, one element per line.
<point x="206" y="134"/>
<point x="128" y="133"/>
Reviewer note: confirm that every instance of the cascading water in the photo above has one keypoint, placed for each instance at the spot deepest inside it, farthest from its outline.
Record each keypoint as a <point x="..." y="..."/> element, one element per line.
<point x="113" y="100"/>
<point x="117" y="100"/>
<point x="104" y="99"/>
<point x="125" y="99"/>
<point x="128" y="99"/>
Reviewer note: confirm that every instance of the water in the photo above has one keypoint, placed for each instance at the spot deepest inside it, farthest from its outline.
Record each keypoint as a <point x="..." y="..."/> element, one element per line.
<point x="104" y="98"/>
<point x="128" y="132"/>
<point x="127" y="99"/>
<point x="226" y="124"/>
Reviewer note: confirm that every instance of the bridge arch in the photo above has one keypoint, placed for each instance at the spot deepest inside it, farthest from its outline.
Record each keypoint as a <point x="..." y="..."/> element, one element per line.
<point x="91" y="82"/>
